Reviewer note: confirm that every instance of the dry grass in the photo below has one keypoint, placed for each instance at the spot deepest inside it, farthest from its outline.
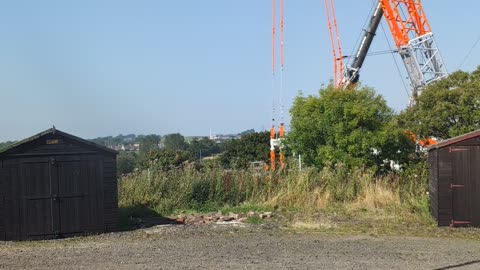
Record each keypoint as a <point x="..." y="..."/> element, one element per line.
<point x="343" y="195"/>
<point x="377" y="195"/>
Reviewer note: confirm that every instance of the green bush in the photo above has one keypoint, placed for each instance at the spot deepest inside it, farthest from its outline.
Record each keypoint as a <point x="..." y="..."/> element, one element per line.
<point x="200" y="192"/>
<point x="355" y="128"/>
<point x="126" y="162"/>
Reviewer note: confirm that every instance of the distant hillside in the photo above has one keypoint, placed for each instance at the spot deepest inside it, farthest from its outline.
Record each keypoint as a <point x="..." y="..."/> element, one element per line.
<point x="246" y="132"/>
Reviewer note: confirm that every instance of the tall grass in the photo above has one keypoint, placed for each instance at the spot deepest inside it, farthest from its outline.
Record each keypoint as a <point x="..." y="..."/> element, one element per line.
<point x="309" y="190"/>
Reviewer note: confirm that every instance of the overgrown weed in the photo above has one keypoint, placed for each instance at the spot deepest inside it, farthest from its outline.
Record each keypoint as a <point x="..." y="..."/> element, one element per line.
<point x="345" y="196"/>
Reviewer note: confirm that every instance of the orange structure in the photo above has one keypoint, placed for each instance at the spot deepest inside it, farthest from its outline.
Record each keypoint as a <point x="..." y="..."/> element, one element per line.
<point x="413" y="38"/>
<point x="404" y="28"/>
<point x="423" y="143"/>
<point x="337" y="53"/>
<point x="276" y="138"/>
<point x="415" y="43"/>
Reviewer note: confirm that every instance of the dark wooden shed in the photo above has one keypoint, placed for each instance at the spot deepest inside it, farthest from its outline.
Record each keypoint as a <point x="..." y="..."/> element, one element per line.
<point x="55" y="185"/>
<point x="454" y="167"/>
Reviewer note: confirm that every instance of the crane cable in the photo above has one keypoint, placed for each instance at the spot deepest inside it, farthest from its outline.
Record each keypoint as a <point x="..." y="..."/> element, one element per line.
<point x="273" y="60"/>
<point x="282" y="59"/>
<point x="281" y="132"/>
<point x="375" y="53"/>
<point x="469" y="53"/>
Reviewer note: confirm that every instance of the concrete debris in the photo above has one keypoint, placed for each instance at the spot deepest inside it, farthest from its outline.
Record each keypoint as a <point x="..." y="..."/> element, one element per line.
<point x="220" y="218"/>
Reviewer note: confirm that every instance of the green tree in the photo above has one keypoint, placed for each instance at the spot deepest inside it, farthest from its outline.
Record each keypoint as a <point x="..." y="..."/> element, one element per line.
<point x="175" y="142"/>
<point x="204" y="147"/>
<point x="149" y="143"/>
<point x="252" y="147"/>
<point x="354" y="127"/>
<point x="126" y="162"/>
<point x="166" y="159"/>
<point x="447" y="108"/>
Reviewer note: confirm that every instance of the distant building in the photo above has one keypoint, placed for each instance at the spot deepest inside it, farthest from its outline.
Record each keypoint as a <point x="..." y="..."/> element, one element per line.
<point x="222" y="137"/>
<point x="126" y="147"/>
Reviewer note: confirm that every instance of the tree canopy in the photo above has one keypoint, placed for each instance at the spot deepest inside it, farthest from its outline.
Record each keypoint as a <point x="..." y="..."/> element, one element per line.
<point x="126" y="162"/>
<point x="447" y="108"/>
<point x="118" y="140"/>
<point x="149" y="143"/>
<point x="204" y="147"/>
<point x="252" y="147"/>
<point x="166" y="159"/>
<point x="175" y="142"/>
<point x="354" y="127"/>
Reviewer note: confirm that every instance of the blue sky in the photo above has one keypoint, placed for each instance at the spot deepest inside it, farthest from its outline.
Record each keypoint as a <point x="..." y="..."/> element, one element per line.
<point x="105" y="67"/>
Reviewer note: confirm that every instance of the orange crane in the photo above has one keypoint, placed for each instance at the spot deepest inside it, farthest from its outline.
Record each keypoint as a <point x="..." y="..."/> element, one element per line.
<point x="276" y="138"/>
<point x="413" y="38"/>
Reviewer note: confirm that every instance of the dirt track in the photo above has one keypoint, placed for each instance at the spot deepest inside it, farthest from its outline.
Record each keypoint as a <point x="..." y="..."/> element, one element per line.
<point x="251" y="247"/>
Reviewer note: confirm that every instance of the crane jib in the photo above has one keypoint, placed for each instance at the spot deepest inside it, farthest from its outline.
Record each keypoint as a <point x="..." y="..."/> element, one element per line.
<point x="415" y="43"/>
<point x="352" y="72"/>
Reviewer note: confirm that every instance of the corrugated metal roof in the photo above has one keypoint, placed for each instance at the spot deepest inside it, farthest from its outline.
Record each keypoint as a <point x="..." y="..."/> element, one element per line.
<point x="454" y="140"/>
<point x="56" y="131"/>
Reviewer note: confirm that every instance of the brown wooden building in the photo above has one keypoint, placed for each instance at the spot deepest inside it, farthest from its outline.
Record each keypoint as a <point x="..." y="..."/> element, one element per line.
<point x="454" y="167"/>
<point x="56" y="185"/>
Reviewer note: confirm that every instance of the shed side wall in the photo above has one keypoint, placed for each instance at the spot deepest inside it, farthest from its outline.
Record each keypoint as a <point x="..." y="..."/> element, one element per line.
<point x="110" y="193"/>
<point x="433" y="182"/>
<point x="445" y="176"/>
<point x="474" y="188"/>
<point x="3" y="188"/>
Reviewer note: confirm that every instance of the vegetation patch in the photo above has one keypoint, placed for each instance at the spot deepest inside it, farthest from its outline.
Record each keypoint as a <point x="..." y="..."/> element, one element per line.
<point x="356" y="200"/>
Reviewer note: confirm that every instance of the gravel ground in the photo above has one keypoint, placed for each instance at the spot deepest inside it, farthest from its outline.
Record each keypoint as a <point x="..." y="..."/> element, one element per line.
<point x="239" y="247"/>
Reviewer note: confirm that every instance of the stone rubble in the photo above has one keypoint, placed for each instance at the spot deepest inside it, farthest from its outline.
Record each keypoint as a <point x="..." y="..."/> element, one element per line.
<point x="217" y="218"/>
<point x="220" y="218"/>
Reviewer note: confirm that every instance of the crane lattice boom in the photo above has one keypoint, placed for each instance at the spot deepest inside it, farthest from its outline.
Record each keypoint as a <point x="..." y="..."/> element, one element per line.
<point x="415" y="42"/>
<point x="412" y="35"/>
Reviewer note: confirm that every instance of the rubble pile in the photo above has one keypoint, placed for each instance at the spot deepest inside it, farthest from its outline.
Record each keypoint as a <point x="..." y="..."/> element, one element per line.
<point x="219" y="218"/>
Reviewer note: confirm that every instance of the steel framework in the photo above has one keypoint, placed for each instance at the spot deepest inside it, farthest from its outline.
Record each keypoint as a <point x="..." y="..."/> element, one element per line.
<point x="415" y="43"/>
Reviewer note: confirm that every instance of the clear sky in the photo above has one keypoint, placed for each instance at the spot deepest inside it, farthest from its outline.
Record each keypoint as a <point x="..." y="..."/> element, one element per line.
<point x="104" y="67"/>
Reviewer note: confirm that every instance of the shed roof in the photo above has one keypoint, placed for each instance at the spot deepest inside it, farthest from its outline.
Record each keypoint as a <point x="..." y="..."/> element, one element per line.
<point x="454" y="140"/>
<point x="53" y="130"/>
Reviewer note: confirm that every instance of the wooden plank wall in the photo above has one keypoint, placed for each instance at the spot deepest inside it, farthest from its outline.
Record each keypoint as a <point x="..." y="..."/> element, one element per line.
<point x="110" y="193"/>
<point x="433" y="182"/>
<point x="11" y="204"/>
<point x="3" y="188"/>
<point x="474" y="189"/>
<point x="445" y="178"/>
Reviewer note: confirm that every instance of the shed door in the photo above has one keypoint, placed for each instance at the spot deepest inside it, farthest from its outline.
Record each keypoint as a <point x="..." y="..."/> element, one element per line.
<point x="465" y="194"/>
<point x="53" y="197"/>
<point x="36" y="208"/>
<point x="80" y="196"/>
